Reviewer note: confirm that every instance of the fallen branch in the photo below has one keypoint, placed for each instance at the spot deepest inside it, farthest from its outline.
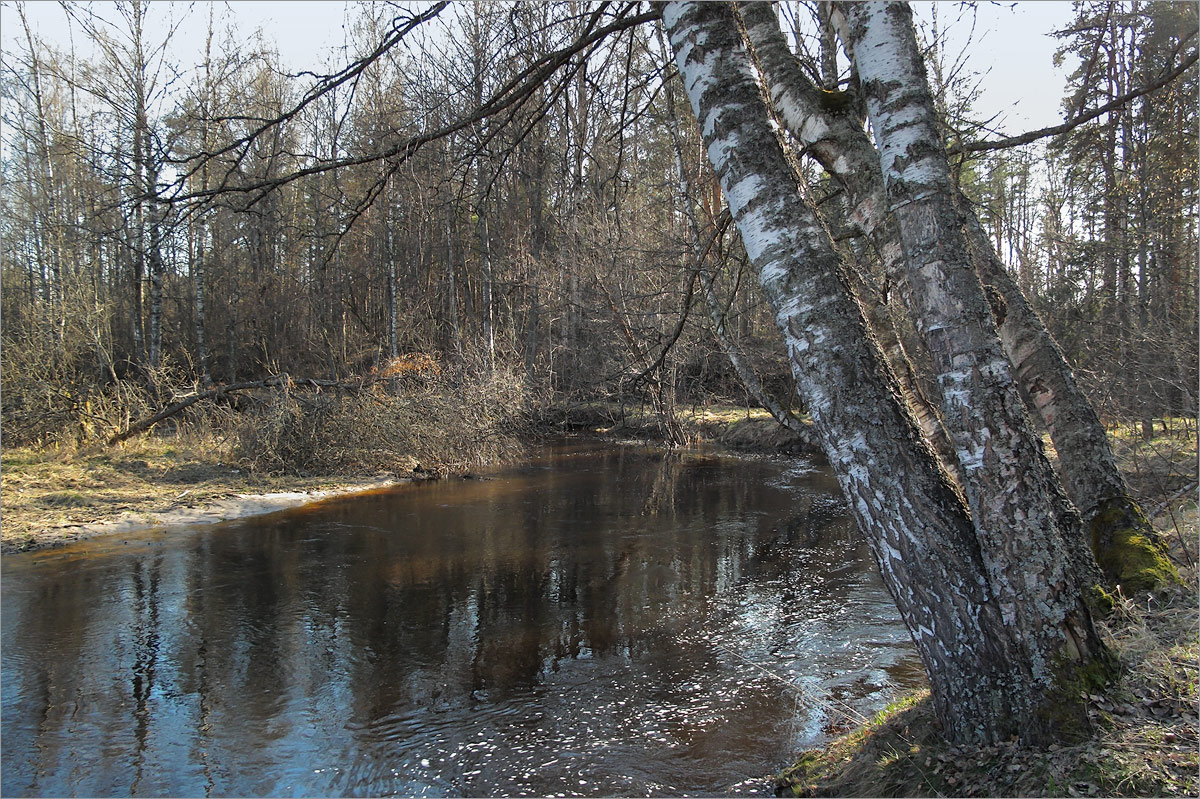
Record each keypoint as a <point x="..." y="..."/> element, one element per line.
<point x="1163" y="507"/>
<point x="275" y="381"/>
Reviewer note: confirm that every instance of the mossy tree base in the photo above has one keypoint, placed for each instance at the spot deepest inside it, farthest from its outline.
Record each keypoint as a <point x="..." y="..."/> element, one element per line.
<point x="1127" y="549"/>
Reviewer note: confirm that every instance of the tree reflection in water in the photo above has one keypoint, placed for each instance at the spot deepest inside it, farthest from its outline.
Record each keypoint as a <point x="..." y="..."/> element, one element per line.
<point x="599" y="621"/>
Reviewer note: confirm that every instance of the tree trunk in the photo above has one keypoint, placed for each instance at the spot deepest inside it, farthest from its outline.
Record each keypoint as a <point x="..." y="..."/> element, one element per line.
<point x="486" y="316"/>
<point x="1028" y="535"/>
<point x="1124" y="543"/>
<point x="389" y="234"/>
<point x="452" y="290"/>
<point x="844" y="151"/>
<point x="154" y="322"/>
<point x="199" y="273"/>
<point x="984" y="685"/>
<point x="716" y="311"/>
<point x="825" y="124"/>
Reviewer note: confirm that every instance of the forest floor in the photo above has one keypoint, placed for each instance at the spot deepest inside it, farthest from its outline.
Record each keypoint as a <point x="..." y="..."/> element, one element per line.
<point x="1143" y="726"/>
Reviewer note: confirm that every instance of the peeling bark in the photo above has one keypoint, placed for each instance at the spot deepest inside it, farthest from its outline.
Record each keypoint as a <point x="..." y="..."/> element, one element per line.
<point x="1023" y="522"/>
<point x="839" y="143"/>
<point x="918" y="530"/>
<point x="1086" y="464"/>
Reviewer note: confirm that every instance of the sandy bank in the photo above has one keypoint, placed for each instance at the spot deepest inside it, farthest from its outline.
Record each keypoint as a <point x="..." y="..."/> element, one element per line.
<point x="210" y="511"/>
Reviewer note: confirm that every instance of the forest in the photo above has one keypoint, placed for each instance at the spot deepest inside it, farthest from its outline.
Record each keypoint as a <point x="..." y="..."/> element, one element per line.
<point x="484" y="219"/>
<point x="171" y="224"/>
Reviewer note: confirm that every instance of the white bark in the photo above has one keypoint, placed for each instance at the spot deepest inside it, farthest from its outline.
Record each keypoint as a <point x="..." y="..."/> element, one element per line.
<point x="1022" y="521"/>
<point x="918" y="530"/>
<point x="838" y="142"/>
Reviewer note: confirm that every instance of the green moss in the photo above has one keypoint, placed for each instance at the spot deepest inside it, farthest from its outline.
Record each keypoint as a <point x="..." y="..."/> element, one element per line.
<point x="796" y="779"/>
<point x="1063" y="713"/>
<point x="1099" y="601"/>
<point x="1127" y="549"/>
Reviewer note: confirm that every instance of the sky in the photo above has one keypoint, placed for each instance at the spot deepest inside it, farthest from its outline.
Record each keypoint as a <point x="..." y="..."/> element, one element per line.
<point x="1008" y="48"/>
<point x="1015" y="56"/>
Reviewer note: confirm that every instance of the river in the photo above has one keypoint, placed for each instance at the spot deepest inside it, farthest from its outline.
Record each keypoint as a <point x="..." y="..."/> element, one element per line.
<point x="602" y="620"/>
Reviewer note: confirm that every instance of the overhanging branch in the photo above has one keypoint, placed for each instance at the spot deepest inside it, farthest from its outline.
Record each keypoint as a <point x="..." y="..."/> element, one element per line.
<point x="1071" y="124"/>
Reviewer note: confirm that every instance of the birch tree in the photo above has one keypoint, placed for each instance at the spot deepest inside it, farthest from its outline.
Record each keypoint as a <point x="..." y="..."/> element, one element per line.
<point x="1004" y="641"/>
<point x="1121" y="538"/>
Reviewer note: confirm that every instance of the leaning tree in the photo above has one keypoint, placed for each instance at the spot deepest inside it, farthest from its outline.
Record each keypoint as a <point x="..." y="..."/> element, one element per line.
<point x="985" y="580"/>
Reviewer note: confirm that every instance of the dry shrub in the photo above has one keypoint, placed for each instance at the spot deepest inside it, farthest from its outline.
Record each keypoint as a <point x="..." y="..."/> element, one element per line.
<point x="462" y="421"/>
<point x="49" y="404"/>
<point x="418" y="365"/>
<point x="42" y="414"/>
<point x="413" y="412"/>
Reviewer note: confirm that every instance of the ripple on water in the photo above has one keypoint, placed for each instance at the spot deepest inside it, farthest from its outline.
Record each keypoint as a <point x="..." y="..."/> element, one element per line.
<point x="611" y="623"/>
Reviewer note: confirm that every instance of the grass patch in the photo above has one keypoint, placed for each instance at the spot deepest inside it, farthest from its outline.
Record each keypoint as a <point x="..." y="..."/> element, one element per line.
<point x="45" y="493"/>
<point x="1160" y="466"/>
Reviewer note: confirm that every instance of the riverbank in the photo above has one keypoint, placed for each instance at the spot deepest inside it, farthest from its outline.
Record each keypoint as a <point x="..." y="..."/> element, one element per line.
<point x="1145" y="724"/>
<point x="58" y="496"/>
<point x="288" y="444"/>
<point x="735" y="428"/>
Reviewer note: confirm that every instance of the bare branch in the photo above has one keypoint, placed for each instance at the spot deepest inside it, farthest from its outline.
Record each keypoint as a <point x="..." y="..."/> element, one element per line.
<point x="513" y="94"/>
<point x="1115" y="103"/>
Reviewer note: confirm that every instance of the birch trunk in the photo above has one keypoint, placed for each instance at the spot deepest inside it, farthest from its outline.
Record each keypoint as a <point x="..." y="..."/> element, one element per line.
<point x="920" y="533"/>
<point x="1125" y="544"/>
<point x="822" y="121"/>
<point x="154" y="323"/>
<point x="716" y="312"/>
<point x="199" y="271"/>
<point x="199" y="263"/>
<point x="1026" y="530"/>
<point x="393" y="313"/>
<point x="1088" y="469"/>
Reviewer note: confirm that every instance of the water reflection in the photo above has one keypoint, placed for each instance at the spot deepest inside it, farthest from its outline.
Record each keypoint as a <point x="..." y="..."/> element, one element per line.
<point x="599" y="622"/>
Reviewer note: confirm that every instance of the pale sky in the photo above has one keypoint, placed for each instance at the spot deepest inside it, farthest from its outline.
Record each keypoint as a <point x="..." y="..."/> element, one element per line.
<point x="1009" y="48"/>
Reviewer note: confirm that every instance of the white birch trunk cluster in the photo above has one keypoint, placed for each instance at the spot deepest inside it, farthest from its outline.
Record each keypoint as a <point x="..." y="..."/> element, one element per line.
<point x="990" y="587"/>
<point x="1026" y="533"/>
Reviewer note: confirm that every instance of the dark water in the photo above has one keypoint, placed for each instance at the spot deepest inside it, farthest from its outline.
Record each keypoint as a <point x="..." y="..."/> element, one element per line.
<point x="598" y="622"/>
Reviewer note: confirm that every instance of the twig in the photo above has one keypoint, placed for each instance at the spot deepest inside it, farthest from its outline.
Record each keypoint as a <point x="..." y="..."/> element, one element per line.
<point x="1166" y="505"/>
<point x="1071" y="124"/>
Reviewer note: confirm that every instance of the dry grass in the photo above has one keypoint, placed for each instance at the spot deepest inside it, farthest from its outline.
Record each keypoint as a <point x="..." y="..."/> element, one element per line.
<point x="1158" y="467"/>
<point x="46" y="495"/>
<point x="281" y="442"/>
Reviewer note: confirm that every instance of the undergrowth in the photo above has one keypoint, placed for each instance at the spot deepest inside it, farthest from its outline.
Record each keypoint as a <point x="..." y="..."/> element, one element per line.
<point x="437" y="425"/>
<point x="429" y="419"/>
